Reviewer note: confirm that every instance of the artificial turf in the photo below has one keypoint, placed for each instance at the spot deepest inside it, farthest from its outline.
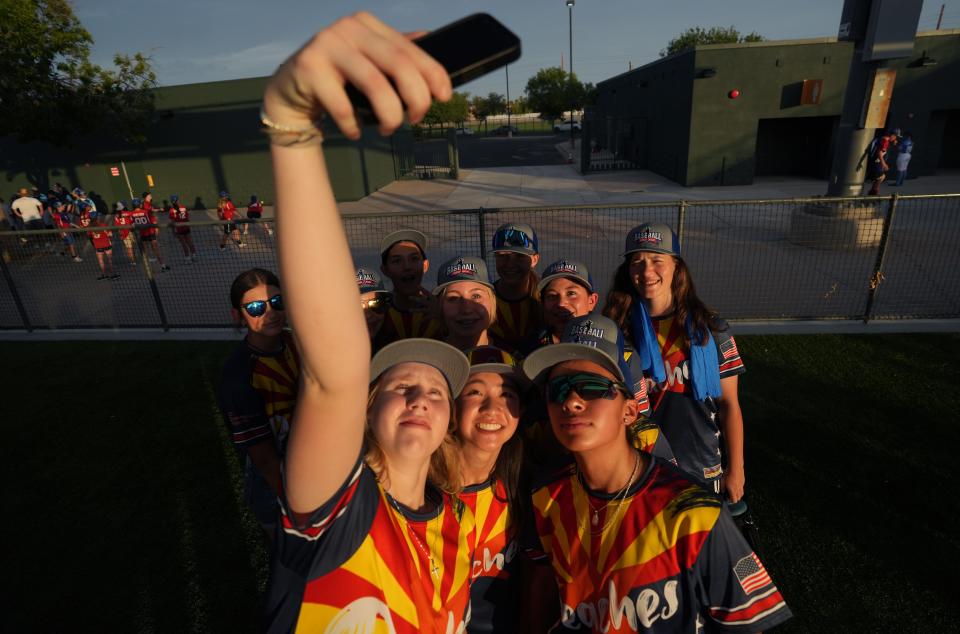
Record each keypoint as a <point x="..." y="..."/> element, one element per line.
<point x="124" y="497"/>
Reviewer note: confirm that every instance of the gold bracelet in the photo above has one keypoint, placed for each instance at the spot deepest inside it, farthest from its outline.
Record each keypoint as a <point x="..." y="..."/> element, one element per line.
<point x="287" y="136"/>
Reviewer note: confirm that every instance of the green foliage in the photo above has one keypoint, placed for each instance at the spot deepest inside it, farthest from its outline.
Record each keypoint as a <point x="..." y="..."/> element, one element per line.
<point x="553" y="91"/>
<point x="483" y="107"/>
<point x="454" y="111"/>
<point x="519" y="105"/>
<point x="714" y="35"/>
<point x="49" y="88"/>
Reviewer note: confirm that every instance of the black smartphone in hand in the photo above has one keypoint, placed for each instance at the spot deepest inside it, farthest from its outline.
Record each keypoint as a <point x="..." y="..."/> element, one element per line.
<point x="468" y="48"/>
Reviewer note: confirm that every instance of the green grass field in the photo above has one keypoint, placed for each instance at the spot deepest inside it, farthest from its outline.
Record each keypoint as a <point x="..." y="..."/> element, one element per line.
<point x="126" y="511"/>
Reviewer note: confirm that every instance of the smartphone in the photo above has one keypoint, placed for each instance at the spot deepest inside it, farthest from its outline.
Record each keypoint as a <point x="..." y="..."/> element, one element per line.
<point x="468" y="48"/>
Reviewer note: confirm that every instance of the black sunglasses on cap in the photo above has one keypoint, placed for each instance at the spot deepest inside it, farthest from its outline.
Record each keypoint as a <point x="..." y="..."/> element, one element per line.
<point x="589" y="387"/>
<point x="258" y="307"/>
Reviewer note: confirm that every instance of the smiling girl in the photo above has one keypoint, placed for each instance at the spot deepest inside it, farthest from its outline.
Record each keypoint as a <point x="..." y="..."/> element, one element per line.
<point x="468" y="306"/>
<point x="519" y="315"/>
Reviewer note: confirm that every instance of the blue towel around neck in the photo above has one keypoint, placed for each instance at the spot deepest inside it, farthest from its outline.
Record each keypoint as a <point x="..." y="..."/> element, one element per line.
<point x="645" y="341"/>
<point x="704" y="365"/>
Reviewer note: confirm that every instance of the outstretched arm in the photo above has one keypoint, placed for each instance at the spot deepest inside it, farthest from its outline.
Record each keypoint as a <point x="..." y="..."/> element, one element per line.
<point x="731" y="430"/>
<point x="317" y="270"/>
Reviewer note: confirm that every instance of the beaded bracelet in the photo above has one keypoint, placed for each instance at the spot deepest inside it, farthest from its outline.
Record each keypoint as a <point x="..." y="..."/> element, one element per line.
<point x="287" y="136"/>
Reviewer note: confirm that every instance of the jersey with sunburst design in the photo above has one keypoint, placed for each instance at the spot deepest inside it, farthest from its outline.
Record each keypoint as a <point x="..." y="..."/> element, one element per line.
<point x="362" y="563"/>
<point x="517" y="321"/>
<point x="666" y="558"/>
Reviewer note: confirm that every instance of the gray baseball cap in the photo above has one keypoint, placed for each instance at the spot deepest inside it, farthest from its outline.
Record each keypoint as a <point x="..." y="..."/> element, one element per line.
<point x="403" y="235"/>
<point x="493" y="359"/>
<point x="591" y="338"/>
<point x="658" y="238"/>
<point x="570" y="269"/>
<point x="451" y="363"/>
<point x="462" y="269"/>
<point x="514" y="237"/>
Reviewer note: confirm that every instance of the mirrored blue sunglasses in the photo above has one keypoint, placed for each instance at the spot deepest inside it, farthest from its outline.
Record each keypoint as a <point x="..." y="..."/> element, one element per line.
<point x="588" y="386"/>
<point x="258" y="307"/>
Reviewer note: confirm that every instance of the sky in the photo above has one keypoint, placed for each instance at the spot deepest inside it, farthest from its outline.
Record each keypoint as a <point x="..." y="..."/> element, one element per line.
<point x="213" y="40"/>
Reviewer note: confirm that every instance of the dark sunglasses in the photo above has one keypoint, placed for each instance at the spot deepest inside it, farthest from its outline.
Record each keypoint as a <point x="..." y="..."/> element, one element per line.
<point x="589" y="386"/>
<point x="259" y="307"/>
<point x="378" y="305"/>
<point x="513" y="238"/>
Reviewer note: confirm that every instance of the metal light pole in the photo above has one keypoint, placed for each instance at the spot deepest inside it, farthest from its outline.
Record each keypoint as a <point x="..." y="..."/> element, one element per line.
<point x="570" y="4"/>
<point x="507" y="70"/>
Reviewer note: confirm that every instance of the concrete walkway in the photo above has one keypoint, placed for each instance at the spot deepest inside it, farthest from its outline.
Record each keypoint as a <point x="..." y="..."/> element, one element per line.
<point x="558" y="185"/>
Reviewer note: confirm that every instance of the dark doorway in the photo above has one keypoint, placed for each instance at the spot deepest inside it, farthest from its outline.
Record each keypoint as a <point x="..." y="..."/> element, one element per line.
<point x="798" y="146"/>
<point x="950" y="148"/>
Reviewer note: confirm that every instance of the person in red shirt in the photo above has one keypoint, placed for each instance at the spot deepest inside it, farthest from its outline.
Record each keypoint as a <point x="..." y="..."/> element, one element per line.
<point x="102" y="242"/>
<point x="63" y="220"/>
<point x="255" y="212"/>
<point x="180" y="217"/>
<point x="226" y="210"/>
<point x="147" y="203"/>
<point x="123" y="219"/>
<point x="143" y="217"/>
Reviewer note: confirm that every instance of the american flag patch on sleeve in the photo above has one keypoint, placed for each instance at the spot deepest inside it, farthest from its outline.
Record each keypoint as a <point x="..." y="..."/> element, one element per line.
<point x="751" y="574"/>
<point x="729" y="349"/>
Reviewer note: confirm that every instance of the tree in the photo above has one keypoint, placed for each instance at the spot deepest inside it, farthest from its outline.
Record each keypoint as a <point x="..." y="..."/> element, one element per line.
<point x="453" y="111"/>
<point x="552" y="91"/>
<point x="714" y="35"/>
<point x="49" y="88"/>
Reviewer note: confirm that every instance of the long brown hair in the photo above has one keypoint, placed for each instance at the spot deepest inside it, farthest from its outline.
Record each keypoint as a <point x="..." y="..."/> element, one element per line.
<point x="444" y="470"/>
<point x="686" y="302"/>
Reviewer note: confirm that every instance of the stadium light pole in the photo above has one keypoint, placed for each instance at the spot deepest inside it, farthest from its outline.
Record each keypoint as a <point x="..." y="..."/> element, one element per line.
<point x="570" y="4"/>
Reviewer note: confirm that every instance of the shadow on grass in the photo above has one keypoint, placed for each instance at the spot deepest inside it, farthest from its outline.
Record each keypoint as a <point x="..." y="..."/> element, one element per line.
<point x="129" y="504"/>
<point x="850" y="442"/>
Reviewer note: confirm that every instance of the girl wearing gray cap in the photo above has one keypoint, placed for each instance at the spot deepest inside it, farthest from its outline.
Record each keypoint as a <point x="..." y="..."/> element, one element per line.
<point x="689" y="358"/>
<point x="468" y="305"/>
<point x="370" y="536"/>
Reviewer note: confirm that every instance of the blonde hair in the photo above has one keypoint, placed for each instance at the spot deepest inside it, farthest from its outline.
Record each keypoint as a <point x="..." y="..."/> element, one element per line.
<point x="444" y="472"/>
<point x="438" y="307"/>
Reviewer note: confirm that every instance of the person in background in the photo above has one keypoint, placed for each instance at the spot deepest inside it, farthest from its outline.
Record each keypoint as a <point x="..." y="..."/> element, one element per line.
<point x="519" y="314"/>
<point x="226" y="210"/>
<point x="255" y="212"/>
<point x="122" y="219"/>
<point x="102" y="241"/>
<point x="143" y="218"/>
<point x="403" y="259"/>
<point x="64" y="221"/>
<point x="374" y="300"/>
<point x="877" y="166"/>
<point x="903" y="157"/>
<point x="468" y="306"/>
<point x="180" y="217"/>
<point x="258" y="389"/>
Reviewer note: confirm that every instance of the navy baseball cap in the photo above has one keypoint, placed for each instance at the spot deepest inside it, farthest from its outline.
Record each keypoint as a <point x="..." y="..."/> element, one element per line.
<point x="451" y="363"/>
<point x="136" y="202"/>
<point x="516" y="238"/>
<point x="591" y="338"/>
<point x="462" y="269"/>
<point x="224" y="194"/>
<point x="403" y="235"/>
<point x="493" y="359"/>
<point x="174" y="198"/>
<point x="658" y="238"/>
<point x="570" y="269"/>
<point x="369" y="281"/>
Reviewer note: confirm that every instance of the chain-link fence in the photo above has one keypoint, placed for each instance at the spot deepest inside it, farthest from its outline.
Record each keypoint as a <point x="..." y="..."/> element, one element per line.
<point x="799" y="259"/>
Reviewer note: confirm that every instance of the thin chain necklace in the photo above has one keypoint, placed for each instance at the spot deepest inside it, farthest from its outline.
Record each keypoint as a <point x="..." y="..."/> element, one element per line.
<point x="621" y="494"/>
<point x="434" y="568"/>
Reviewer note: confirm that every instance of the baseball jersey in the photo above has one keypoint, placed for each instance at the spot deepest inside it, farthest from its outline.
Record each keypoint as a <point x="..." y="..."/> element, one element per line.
<point x="257" y="394"/>
<point x="123" y="219"/>
<point x="227" y="210"/>
<point x="100" y="239"/>
<point x="406" y="324"/>
<point x="364" y="563"/>
<point x="495" y="589"/>
<point x="692" y="426"/>
<point x="142" y="217"/>
<point x="255" y="208"/>
<point x="178" y="213"/>
<point x="62" y="219"/>
<point x="666" y="558"/>
<point x="517" y="321"/>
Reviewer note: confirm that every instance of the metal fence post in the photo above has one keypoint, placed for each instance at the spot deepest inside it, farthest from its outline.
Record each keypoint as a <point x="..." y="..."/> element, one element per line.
<point x="153" y="282"/>
<point x="16" y="296"/>
<point x="681" y="219"/>
<point x="881" y="256"/>
<point x="483" y="234"/>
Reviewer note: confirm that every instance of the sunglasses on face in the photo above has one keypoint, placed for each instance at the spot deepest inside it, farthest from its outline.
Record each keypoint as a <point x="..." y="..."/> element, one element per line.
<point x="513" y="238"/>
<point x="378" y="305"/>
<point x="589" y="387"/>
<point x="258" y="307"/>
